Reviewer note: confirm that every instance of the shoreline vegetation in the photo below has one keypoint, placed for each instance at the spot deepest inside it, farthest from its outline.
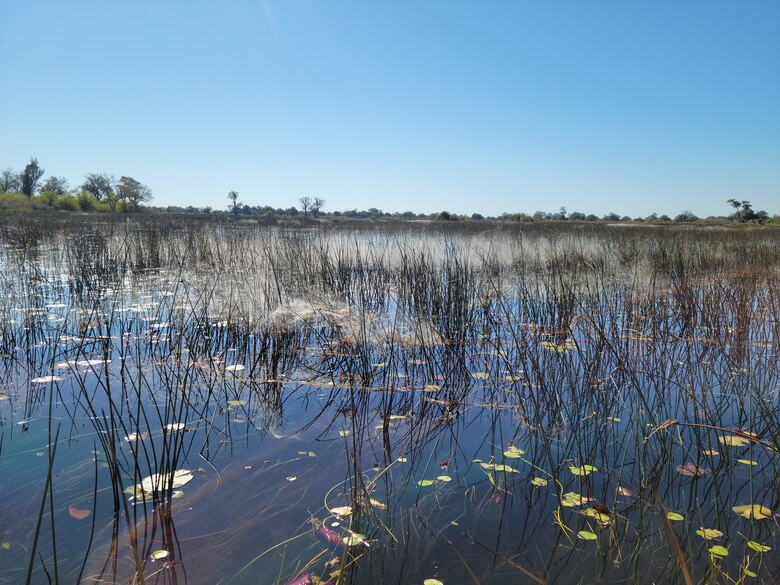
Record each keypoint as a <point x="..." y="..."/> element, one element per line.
<point x="26" y="191"/>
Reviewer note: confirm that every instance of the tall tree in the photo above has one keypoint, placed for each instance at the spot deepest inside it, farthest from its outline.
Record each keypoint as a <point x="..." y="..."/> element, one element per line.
<point x="132" y="192"/>
<point x="58" y="185"/>
<point x="9" y="181"/>
<point x="233" y="196"/>
<point x="305" y="203"/>
<point x="30" y="176"/>
<point x="100" y="185"/>
<point x="316" y="206"/>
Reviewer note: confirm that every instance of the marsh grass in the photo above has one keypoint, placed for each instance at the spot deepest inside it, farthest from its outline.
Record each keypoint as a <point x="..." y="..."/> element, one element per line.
<point x="297" y="369"/>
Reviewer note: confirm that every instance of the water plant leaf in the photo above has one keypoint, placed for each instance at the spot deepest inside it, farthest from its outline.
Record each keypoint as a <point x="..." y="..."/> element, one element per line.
<point x="378" y="504"/>
<point x="692" y="470"/>
<point x="582" y="469"/>
<point x="432" y="582"/>
<point x="513" y="452"/>
<point x="586" y="535"/>
<point x="719" y="551"/>
<point x="480" y="375"/>
<point x="572" y="499"/>
<point x="234" y="368"/>
<point x="758" y="547"/>
<point x="344" y="433"/>
<point x="749" y="573"/>
<point x="431" y="388"/>
<point x="159" y="555"/>
<point x="711" y="452"/>
<point x="709" y="533"/>
<point x="78" y="513"/>
<point x="625" y="492"/>
<point x="174" y="426"/>
<point x="444" y="478"/>
<point x="291" y="478"/>
<point x="402" y="460"/>
<point x="675" y="516"/>
<point x="753" y="511"/>
<point x="734" y="441"/>
<point x="425" y="482"/>
<point x="746" y="462"/>
<point x="600" y="517"/>
<point x="354" y="539"/>
<point x="539" y="481"/>
<point x="341" y="510"/>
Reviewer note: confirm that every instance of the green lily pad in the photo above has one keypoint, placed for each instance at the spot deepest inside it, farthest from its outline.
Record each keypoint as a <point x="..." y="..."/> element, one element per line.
<point x="586" y="535"/>
<point x="539" y="481"/>
<point x="709" y="533"/>
<point x="582" y="470"/>
<point x="425" y="482"/>
<point x="753" y="511"/>
<point x="675" y="517"/>
<point x="719" y="551"/>
<point x="758" y="547"/>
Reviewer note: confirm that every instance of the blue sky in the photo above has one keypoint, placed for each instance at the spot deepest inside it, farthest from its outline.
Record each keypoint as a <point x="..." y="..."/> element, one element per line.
<point x="631" y="107"/>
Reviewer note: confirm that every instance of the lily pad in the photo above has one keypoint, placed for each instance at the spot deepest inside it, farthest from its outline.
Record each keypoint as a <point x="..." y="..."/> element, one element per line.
<point x="572" y="499"/>
<point x="586" y="535"/>
<point x="719" y="551"/>
<point x="354" y="539"/>
<point x="539" y="481"/>
<point x="746" y="462"/>
<point x="753" y="511"/>
<point x="709" y="533"/>
<point x="432" y="582"/>
<point x="758" y="547"/>
<point x="582" y="470"/>
<point x="675" y="516"/>
<point x="444" y="478"/>
<point x="425" y="482"/>
<point x="734" y="441"/>
<point x="513" y="452"/>
<point x="341" y="511"/>
<point x="692" y="470"/>
<point x="159" y="555"/>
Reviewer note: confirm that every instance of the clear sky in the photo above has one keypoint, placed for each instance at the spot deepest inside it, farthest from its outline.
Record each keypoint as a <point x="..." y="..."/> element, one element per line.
<point x="421" y="105"/>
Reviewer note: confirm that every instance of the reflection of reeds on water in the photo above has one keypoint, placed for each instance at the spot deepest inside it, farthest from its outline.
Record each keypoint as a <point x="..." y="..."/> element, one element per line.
<point x="455" y="390"/>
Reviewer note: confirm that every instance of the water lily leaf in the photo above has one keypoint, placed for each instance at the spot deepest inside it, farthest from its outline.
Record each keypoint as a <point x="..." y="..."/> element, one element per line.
<point x="291" y="478"/>
<point x="159" y="555"/>
<point x="711" y="452"/>
<point x="480" y="375"/>
<point x="5" y="545"/>
<point x="341" y="511"/>
<point x="613" y="419"/>
<point x="444" y="478"/>
<point x="572" y="499"/>
<point x="432" y="582"/>
<point x="692" y="470"/>
<point x="758" y="547"/>
<point x="402" y="460"/>
<point x="586" y="535"/>
<point x="600" y="517"/>
<point x="734" y="441"/>
<point x="234" y="368"/>
<point x="431" y="388"/>
<point x="378" y="504"/>
<point x="719" y="551"/>
<point x="513" y="452"/>
<point x="675" y="516"/>
<point x="746" y="462"/>
<point x="625" y="492"/>
<point x="505" y="468"/>
<point x="344" y="433"/>
<point x="753" y="511"/>
<point x="46" y="379"/>
<point x="425" y="482"/>
<point x="709" y="533"/>
<point x="582" y="470"/>
<point x="539" y="481"/>
<point x="78" y="513"/>
<point x="749" y="573"/>
<point x="236" y="403"/>
<point x="354" y="539"/>
<point x="174" y="426"/>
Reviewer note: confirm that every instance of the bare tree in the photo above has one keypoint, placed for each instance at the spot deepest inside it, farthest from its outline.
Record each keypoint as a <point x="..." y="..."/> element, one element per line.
<point x="30" y="176"/>
<point x="9" y="181"/>
<point x="316" y="206"/>
<point x="305" y="203"/>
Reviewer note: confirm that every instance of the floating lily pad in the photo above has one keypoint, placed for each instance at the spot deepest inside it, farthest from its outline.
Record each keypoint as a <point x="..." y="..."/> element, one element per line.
<point x="709" y="533"/>
<point x="758" y="547"/>
<point x="586" y="535"/>
<point x="46" y="379"/>
<point x="344" y="433"/>
<point x="174" y="426"/>
<point x="675" y="516"/>
<point x="234" y="368"/>
<point x="734" y="441"/>
<point x="431" y="388"/>
<point x="572" y="499"/>
<point x="480" y="375"/>
<point x="746" y="462"/>
<point x="719" y="551"/>
<point x="692" y="470"/>
<point x="341" y="511"/>
<point x="753" y="511"/>
<point x="432" y="582"/>
<point x="354" y="539"/>
<point x="425" y="482"/>
<point x="539" y="481"/>
<point x="513" y="452"/>
<point x="159" y="555"/>
<point x="582" y="470"/>
<point x="444" y="478"/>
<point x="711" y="452"/>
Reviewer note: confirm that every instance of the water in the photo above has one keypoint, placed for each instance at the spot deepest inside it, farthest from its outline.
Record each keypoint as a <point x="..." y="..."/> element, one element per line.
<point x="434" y="413"/>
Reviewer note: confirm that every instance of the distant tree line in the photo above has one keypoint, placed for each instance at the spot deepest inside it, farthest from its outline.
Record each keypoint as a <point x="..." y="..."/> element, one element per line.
<point x="27" y="188"/>
<point x="98" y="192"/>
